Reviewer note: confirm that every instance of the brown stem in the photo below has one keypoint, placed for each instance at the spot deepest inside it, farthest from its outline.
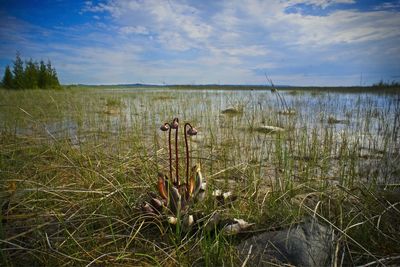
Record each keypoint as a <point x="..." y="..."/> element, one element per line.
<point x="176" y="152"/>
<point x="187" y="156"/>
<point x="170" y="153"/>
<point x="167" y="127"/>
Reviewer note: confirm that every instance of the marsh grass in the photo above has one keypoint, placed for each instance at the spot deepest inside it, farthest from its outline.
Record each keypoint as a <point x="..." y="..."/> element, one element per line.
<point x="73" y="176"/>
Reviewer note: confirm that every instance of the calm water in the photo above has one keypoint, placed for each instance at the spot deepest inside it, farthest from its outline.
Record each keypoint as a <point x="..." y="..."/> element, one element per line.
<point x="366" y="118"/>
<point x="367" y="122"/>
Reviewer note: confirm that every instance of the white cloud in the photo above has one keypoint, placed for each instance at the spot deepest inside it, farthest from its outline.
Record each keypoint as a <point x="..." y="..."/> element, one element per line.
<point x="344" y="27"/>
<point x="169" y="20"/>
<point x="253" y="34"/>
<point x="126" y="30"/>
<point x="349" y="26"/>
<point x="245" y="51"/>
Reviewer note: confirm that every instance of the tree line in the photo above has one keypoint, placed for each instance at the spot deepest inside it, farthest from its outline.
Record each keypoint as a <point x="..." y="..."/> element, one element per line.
<point x="31" y="75"/>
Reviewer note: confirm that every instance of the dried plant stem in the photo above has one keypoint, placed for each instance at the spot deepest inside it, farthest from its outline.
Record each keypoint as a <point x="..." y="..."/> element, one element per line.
<point x="170" y="153"/>
<point x="187" y="156"/>
<point x="176" y="154"/>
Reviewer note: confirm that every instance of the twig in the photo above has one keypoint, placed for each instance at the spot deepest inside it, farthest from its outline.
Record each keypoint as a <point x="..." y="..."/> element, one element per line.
<point x="379" y="261"/>
<point x="248" y="256"/>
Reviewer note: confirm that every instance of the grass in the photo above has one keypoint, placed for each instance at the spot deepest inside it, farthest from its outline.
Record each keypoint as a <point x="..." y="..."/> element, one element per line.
<point x="74" y="176"/>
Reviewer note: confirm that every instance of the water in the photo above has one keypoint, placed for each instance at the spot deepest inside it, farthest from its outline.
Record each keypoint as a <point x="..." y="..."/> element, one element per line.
<point x="368" y="120"/>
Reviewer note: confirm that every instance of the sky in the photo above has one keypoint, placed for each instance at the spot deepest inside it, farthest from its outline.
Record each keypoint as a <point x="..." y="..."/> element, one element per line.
<point x="294" y="42"/>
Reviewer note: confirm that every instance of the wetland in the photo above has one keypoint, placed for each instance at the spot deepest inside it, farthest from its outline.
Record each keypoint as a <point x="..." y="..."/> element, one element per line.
<point x="76" y="164"/>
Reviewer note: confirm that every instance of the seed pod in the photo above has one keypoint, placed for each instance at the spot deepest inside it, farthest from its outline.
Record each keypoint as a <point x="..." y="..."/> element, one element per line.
<point x="192" y="131"/>
<point x="164" y="127"/>
<point x="175" y="123"/>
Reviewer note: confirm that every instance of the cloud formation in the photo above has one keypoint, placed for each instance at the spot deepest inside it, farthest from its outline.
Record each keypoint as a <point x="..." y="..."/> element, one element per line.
<point x="298" y="42"/>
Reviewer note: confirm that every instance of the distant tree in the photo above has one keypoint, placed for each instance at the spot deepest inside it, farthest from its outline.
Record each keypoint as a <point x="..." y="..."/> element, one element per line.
<point x="34" y="75"/>
<point x="395" y="84"/>
<point x="52" y="79"/>
<point x="31" y="75"/>
<point x="384" y="84"/>
<point x="18" y="71"/>
<point x="8" y="78"/>
<point x="42" y="75"/>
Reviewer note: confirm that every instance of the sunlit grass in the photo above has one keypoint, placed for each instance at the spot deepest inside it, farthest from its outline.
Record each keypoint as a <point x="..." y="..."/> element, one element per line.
<point x="75" y="166"/>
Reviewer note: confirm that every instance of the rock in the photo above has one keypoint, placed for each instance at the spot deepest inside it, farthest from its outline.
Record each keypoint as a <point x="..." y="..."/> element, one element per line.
<point x="333" y="120"/>
<point x="232" y="111"/>
<point x="306" y="244"/>
<point x="269" y="129"/>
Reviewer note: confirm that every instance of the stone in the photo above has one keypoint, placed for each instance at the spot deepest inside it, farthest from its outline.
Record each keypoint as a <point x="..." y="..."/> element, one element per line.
<point x="269" y="129"/>
<point x="333" y="120"/>
<point x="232" y="111"/>
<point x="306" y="244"/>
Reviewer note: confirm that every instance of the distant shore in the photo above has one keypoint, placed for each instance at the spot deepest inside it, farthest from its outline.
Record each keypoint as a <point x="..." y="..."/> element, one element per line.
<point x="344" y="89"/>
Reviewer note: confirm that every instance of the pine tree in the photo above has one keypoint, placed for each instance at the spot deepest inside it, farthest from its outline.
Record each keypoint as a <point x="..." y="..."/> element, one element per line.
<point x="51" y="76"/>
<point x="18" y="72"/>
<point x="31" y="75"/>
<point x="8" y="78"/>
<point x="55" y="83"/>
<point x="34" y="75"/>
<point x="42" y="76"/>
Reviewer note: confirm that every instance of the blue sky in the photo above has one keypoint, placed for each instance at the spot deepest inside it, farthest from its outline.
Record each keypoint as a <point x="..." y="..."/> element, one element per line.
<point x="295" y="42"/>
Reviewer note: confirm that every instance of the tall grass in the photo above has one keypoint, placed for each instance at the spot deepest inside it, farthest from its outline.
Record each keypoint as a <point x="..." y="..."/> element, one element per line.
<point x="76" y="164"/>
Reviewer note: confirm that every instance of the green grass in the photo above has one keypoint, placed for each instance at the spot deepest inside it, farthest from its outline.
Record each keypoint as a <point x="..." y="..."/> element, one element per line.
<point x="76" y="164"/>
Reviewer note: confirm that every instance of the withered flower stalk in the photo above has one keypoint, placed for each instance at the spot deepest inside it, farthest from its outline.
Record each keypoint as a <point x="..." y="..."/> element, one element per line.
<point x="188" y="130"/>
<point x="175" y="125"/>
<point x="167" y="127"/>
<point x="191" y="131"/>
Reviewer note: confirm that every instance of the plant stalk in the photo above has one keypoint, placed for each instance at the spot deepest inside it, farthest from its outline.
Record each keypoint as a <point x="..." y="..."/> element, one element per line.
<point x="187" y="156"/>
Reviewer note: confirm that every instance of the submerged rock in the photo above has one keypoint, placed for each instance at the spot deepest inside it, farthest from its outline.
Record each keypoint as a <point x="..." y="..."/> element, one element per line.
<point x="306" y="244"/>
<point x="269" y="129"/>
<point x="232" y="111"/>
<point x="333" y="120"/>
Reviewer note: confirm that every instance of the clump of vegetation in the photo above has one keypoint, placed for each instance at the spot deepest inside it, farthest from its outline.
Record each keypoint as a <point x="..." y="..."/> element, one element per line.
<point x="383" y="84"/>
<point x="33" y="75"/>
<point x="178" y="198"/>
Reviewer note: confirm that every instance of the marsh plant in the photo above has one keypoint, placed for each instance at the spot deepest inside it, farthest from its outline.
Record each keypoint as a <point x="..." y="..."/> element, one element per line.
<point x="176" y="194"/>
<point x="285" y="109"/>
